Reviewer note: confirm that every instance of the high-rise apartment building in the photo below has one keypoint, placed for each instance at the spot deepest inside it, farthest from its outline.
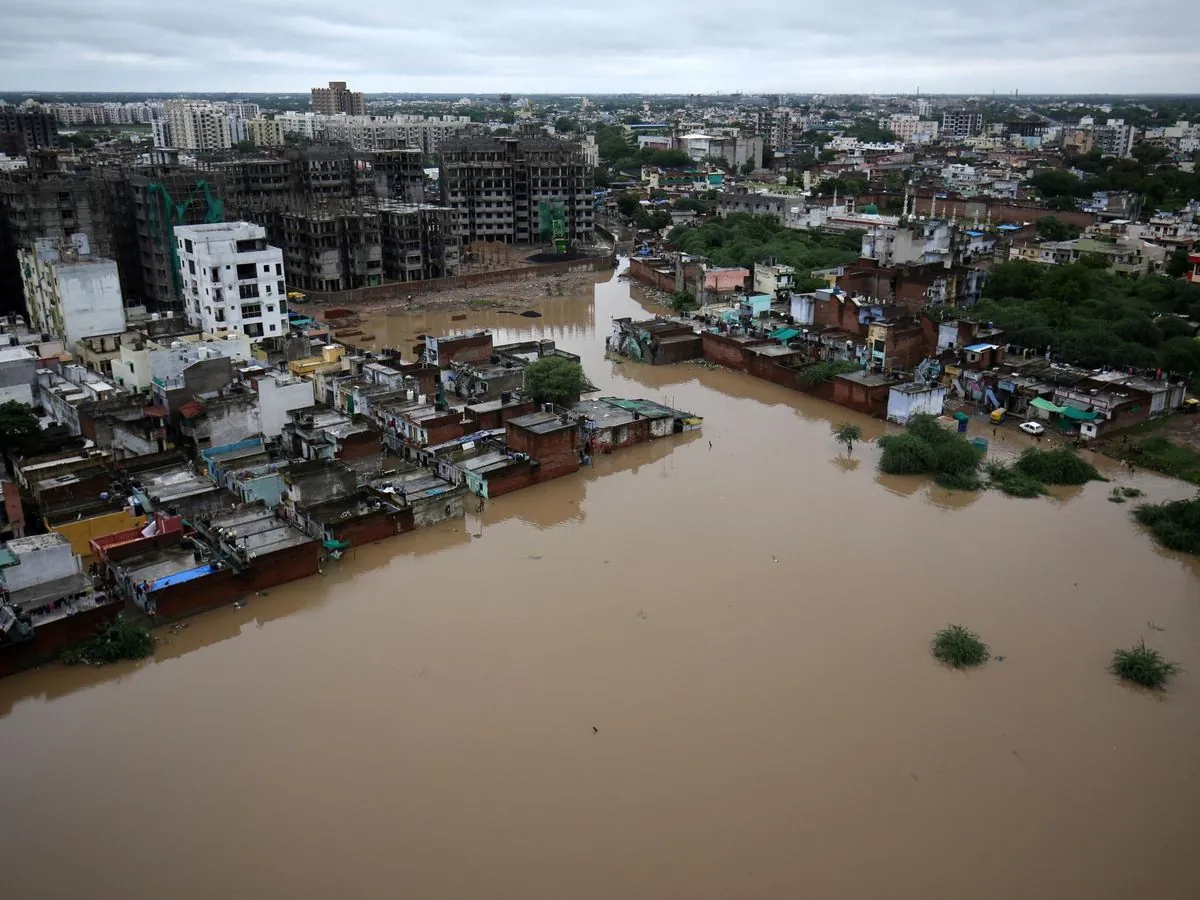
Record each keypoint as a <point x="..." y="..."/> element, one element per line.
<point x="196" y="126"/>
<point x="232" y="279"/>
<point x="496" y="185"/>
<point x="1114" y="138"/>
<point x="337" y="98"/>
<point x="21" y="131"/>
<point x="961" y="123"/>
<point x="264" y="132"/>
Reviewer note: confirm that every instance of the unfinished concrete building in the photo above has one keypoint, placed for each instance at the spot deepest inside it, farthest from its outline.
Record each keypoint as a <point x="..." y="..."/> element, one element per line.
<point x="44" y="201"/>
<point x="146" y="202"/>
<point x="494" y="186"/>
<point x="418" y="241"/>
<point x="330" y="247"/>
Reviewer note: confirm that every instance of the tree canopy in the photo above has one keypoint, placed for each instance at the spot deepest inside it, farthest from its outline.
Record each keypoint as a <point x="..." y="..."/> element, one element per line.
<point x="1091" y="318"/>
<point x="742" y="240"/>
<point x="555" y="379"/>
<point x="20" y="431"/>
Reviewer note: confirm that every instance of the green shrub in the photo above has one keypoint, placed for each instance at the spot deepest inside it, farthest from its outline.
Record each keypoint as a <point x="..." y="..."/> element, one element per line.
<point x="825" y="371"/>
<point x="1143" y="666"/>
<point x="1114" y="496"/>
<point x="928" y="448"/>
<point x="1175" y="525"/>
<point x="905" y="454"/>
<point x="959" y="647"/>
<point x="1131" y="492"/>
<point x="1062" y="466"/>
<point x="120" y="639"/>
<point x="959" y="481"/>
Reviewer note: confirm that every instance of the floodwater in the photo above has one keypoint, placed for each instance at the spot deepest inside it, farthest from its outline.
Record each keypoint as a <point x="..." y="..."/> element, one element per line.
<point x="690" y="672"/>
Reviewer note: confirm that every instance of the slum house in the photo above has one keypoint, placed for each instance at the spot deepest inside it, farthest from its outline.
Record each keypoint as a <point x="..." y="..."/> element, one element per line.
<point x="424" y="498"/>
<point x="492" y="414"/>
<point x="47" y="603"/>
<point x="449" y="349"/>
<point x="896" y="344"/>
<point x="481" y="461"/>
<point x="551" y="440"/>
<point x="611" y="423"/>
<point x="480" y="381"/>
<point x="244" y="550"/>
<point x="915" y="398"/>
<point x="175" y="487"/>
<point x="656" y="341"/>
<point x="866" y="392"/>
<point x="1113" y="400"/>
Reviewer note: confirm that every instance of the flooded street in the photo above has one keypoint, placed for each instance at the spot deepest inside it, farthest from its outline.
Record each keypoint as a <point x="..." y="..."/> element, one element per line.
<point x="688" y="672"/>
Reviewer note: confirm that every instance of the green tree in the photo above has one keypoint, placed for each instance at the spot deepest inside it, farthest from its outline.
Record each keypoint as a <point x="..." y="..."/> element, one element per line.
<point x="566" y="124"/>
<point x="1052" y="228"/>
<point x="1180" y="355"/>
<point x="847" y="434"/>
<point x="1018" y="279"/>
<point x="555" y="379"/>
<point x="1058" y="183"/>
<point x="628" y="205"/>
<point x="20" y="431"/>
<point x="1178" y="265"/>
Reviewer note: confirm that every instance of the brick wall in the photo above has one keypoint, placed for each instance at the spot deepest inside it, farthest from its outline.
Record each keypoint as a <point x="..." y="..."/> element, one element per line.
<point x="367" y="529"/>
<point x="645" y="273"/>
<point x="219" y="588"/>
<point x="52" y="639"/>
<point x="851" y="394"/>
<point x="724" y="350"/>
<point x="358" y="446"/>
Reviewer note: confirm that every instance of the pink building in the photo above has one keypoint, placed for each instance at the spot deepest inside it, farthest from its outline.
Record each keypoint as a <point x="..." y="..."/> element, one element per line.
<point x="725" y="280"/>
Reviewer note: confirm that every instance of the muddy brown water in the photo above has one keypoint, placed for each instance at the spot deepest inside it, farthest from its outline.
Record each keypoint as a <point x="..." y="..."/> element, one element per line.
<point x="746" y="626"/>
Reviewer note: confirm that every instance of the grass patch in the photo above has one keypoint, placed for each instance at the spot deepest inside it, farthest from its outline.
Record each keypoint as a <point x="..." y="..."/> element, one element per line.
<point x="1115" y="496"/>
<point x="1143" y="666"/>
<point x="1175" y="525"/>
<point x="959" y="647"/>
<point x="1131" y="492"/>
<point x="927" y="448"/>
<point x="1158" y="454"/>
<point x="120" y="639"/>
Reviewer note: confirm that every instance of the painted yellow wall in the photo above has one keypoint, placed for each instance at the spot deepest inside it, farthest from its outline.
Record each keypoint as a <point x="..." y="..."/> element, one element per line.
<point x="83" y="530"/>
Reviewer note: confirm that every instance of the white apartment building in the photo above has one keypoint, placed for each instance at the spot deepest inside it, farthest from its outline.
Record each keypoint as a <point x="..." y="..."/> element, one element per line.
<point x="70" y="293"/>
<point x="425" y="133"/>
<point x="195" y="126"/>
<point x="232" y="279"/>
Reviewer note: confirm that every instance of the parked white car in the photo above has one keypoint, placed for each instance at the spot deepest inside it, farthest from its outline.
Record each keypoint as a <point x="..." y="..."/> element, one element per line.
<point x="1032" y="427"/>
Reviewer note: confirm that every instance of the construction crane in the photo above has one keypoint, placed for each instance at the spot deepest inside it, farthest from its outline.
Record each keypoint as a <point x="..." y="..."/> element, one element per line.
<point x="552" y="223"/>
<point x="162" y="225"/>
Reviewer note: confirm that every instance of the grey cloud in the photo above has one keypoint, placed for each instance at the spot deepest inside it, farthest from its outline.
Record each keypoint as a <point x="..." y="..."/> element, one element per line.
<point x="621" y="45"/>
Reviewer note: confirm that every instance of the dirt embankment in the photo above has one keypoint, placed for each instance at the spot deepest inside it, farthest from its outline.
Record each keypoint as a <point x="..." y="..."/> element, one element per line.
<point x="504" y="295"/>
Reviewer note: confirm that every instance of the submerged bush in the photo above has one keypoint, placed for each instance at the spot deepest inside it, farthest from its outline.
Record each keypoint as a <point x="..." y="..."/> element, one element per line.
<point x="1176" y="525"/>
<point x="928" y="448"/>
<point x="959" y="647"/>
<point x="1143" y="666"/>
<point x="1061" y="466"/>
<point x="905" y="454"/>
<point x="120" y="639"/>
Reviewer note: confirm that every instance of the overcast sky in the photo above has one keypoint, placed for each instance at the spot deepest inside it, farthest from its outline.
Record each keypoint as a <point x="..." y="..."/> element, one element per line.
<point x="489" y="46"/>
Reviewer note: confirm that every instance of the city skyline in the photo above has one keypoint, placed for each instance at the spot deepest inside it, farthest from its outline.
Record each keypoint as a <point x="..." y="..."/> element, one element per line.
<point x="531" y="47"/>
